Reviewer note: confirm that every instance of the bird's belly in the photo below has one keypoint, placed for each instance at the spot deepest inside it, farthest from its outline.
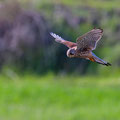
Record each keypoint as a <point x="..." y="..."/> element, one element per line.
<point x="83" y="55"/>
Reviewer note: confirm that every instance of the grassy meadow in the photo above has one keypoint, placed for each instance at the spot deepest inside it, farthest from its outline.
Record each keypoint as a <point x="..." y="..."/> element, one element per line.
<point x="102" y="4"/>
<point x="51" y="97"/>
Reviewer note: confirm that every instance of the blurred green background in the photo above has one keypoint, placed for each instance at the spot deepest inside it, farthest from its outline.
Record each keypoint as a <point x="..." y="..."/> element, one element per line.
<point x="38" y="81"/>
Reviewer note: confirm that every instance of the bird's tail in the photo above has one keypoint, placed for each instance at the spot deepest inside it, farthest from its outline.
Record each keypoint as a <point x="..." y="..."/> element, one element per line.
<point x="98" y="60"/>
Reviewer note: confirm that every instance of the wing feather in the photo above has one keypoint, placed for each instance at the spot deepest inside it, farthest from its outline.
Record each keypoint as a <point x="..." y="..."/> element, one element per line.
<point x="89" y="40"/>
<point x="61" y="40"/>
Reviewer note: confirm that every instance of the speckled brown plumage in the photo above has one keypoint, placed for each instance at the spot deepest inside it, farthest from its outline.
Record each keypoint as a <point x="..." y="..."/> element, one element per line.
<point x="84" y="46"/>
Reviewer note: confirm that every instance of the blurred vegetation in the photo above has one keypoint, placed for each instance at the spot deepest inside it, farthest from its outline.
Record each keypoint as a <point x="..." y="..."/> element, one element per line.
<point x="31" y="97"/>
<point x="25" y="43"/>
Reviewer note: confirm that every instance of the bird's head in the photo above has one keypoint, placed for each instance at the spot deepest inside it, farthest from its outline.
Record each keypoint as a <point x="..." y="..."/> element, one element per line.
<point x="71" y="53"/>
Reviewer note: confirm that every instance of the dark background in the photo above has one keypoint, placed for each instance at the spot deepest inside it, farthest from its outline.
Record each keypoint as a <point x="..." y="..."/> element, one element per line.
<point x="25" y="42"/>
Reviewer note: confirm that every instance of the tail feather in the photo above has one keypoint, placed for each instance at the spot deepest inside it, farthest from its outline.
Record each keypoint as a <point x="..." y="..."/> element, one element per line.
<point x="105" y="63"/>
<point x="100" y="61"/>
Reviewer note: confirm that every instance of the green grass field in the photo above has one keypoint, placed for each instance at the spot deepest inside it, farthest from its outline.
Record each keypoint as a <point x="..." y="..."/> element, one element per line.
<point x="101" y="4"/>
<point x="59" y="98"/>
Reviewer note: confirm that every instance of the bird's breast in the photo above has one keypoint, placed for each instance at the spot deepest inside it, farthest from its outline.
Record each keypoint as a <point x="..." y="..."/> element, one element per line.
<point x="85" y="54"/>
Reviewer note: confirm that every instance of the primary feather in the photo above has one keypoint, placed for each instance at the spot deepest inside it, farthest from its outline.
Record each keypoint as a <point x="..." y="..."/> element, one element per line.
<point x="62" y="41"/>
<point x="89" y="39"/>
<point x="57" y="37"/>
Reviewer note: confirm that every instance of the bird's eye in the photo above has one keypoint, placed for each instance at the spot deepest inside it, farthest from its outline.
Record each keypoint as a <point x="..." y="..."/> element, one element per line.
<point x="72" y="52"/>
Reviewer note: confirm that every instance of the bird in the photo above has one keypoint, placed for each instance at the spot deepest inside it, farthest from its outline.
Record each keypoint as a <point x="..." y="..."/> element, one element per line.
<point x="84" y="46"/>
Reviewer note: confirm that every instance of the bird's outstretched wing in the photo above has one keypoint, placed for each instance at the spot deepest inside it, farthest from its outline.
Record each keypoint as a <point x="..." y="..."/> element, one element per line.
<point x="89" y="40"/>
<point x="61" y="40"/>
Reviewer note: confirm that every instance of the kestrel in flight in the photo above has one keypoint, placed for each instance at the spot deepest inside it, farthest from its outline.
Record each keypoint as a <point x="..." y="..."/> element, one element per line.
<point x="84" y="46"/>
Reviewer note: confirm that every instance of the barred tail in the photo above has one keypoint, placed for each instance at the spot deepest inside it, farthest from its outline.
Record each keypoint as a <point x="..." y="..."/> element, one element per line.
<point x="100" y="61"/>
